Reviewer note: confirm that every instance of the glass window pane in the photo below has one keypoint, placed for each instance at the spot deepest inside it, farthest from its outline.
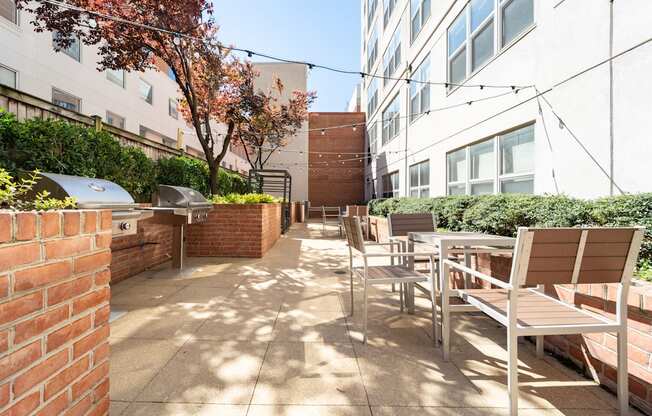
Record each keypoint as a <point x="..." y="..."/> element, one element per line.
<point x="517" y="186"/>
<point x="73" y="50"/>
<point x="414" y="193"/>
<point x="65" y="100"/>
<point x="517" y="15"/>
<point x="425" y="11"/>
<point x="425" y="98"/>
<point x="117" y="76"/>
<point x="482" y="160"/>
<point x="456" y="190"/>
<point x="425" y="193"/>
<point x="173" y="108"/>
<point x="483" y="46"/>
<point x="458" y="67"/>
<point x="7" y="77"/>
<point x="480" y="10"/>
<point x="115" y="120"/>
<point x="414" y="175"/>
<point x="146" y="91"/>
<point x="484" y="188"/>
<point x="457" y="33"/>
<point x="517" y="151"/>
<point x="424" y="174"/>
<point x="8" y="10"/>
<point x="456" y="162"/>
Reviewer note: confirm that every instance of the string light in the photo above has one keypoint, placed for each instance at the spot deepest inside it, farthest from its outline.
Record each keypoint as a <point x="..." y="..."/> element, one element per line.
<point x="323" y="132"/>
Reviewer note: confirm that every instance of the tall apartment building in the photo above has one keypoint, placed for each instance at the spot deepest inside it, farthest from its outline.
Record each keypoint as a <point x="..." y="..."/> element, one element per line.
<point x="422" y="147"/>
<point x="143" y="103"/>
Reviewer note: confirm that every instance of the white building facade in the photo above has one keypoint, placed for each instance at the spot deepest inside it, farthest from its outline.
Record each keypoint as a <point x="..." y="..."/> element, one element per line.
<point x="432" y="138"/>
<point x="143" y="103"/>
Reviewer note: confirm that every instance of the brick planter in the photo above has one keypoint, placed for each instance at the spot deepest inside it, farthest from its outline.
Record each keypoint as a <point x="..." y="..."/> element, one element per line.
<point x="235" y="230"/>
<point x="54" y="311"/>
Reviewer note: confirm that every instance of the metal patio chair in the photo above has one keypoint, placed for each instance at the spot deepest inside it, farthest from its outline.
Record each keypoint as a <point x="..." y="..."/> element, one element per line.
<point x="558" y="256"/>
<point x="331" y="216"/>
<point x="380" y="275"/>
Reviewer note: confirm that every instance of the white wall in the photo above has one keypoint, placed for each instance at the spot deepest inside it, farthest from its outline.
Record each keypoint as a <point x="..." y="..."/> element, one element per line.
<point x="563" y="40"/>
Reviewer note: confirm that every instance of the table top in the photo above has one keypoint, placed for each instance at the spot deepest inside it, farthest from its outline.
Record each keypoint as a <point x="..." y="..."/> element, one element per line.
<point x="461" y="238"/>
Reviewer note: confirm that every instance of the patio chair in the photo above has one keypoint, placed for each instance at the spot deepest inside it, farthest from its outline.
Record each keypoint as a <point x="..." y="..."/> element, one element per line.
<point x="380" y="275"/>
<point x="400" y="225"/>
<point x="361" y="211"/>
<point x="331" y="216"/>
<point x="550" y="257"/>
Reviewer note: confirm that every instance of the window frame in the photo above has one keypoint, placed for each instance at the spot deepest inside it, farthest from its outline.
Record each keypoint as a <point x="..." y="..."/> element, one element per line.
<point x="372" y="140"/>
<point x="466" y="47"/>
<point x="422" y="73"/>
<point x="388" y="10"/>
<point x="15" y="76"/>
<point x="60" y="91"/>
<point x="498" y="177"/>
<point x="114" y="116"/>
<point x="16" y="21"/>
<point x="115" y="80"/>
<point x="419" y="188"/>
<point x="174" y="114"/>
<point x="395" y="191"/>
<point x="150" y="98"/>
<point x="373" y="98"/>
<point x="422" y="22"/>
<point x="372" y="50"/>
<point x="66" y="51"/>
<point x="371" y="12"/>
<point x="392" y="124"/>
<point x="392" y="56"/>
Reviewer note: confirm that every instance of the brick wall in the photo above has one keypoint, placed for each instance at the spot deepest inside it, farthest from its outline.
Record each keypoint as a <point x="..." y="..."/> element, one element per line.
<point x="234" y="230"/>
<point x="133" y="254"/>
<point x="341" y="182"/>
<point x="54" y="312"/>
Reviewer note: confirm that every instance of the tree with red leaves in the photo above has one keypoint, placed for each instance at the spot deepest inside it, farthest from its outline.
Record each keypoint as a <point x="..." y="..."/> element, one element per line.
<point x="268" y="129"/>
<point x="215" y="86"/>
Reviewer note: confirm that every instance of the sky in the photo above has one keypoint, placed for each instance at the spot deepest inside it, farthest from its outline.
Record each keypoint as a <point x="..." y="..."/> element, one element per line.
<point x="320" y="31"/>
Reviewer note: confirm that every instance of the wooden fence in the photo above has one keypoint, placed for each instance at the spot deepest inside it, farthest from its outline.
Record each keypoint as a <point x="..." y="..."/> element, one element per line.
<point x="26" y="106"/>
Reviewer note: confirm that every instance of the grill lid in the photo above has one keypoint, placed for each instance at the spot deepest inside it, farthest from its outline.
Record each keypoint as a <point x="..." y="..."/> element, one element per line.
<point x="90" y="193"/>
<point x="180" y="197"/>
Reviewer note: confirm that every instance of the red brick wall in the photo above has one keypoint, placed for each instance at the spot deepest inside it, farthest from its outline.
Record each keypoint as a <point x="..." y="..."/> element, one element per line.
<point x="54" y="312"/>
<point x="234" y="230"/>
<point x="337" y="184"/>
<point x="133" y="254"/>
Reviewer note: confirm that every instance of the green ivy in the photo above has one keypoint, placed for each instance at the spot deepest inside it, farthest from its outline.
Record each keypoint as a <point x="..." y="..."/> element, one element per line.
<point x="245" y="199"/>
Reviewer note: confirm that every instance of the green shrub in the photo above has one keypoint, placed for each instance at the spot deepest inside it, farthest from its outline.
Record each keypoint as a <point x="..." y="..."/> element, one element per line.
<point x="244" y="199"/>
<point x="503" y="214"/>
<point x="14" y="194"/>
<point x="193" y="173"/>
<point x="73" y="149"/>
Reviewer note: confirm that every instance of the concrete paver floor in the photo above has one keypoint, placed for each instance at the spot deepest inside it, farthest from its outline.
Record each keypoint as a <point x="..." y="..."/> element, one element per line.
<point x="272" y="336"/>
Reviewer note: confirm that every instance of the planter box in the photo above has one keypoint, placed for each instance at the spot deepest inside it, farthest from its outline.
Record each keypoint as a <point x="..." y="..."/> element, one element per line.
<point x="54" y="312"/>
<point x="235" y="230"/>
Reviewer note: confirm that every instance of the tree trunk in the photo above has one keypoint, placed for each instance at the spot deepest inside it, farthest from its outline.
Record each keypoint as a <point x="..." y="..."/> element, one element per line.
<point x="214" y="177"/>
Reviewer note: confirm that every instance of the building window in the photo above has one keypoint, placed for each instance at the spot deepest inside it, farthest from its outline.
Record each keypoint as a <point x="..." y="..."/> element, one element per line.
<point x="8" y="77"/>
<point x="173" y="108"/>
<point x="372" y="97"/>
<point x="372" y="50"/>
<point x="146" y="91"/>
<point x="390" y="5"/>
<point x="419" y="12"/>
<point x="501" y="164"/>
<point x="115" y="120"/>
<point x="392" y="56"/>
<point x="73" y="50"/>
<point x="65" y="100"/>
<point x="391" y="120"/>
<point x="372" y="138"/>
<point x="371" y="11"/>
<point x="390" y="185"/>
<point x="8" y="11"/>
<point x="157" y="137"/>
<point x="116" y="76"/>
<point x="420" y="180"/>
<point x="171" y="75"/>
<point x="420" y="90"/>
<point x="472" y="36"/>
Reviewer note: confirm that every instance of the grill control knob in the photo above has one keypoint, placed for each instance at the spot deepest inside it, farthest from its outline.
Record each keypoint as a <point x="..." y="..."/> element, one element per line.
<point x="125" y="226"/>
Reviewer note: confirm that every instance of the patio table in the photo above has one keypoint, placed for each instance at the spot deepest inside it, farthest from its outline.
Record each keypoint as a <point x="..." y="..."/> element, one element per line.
<point x="447" y="243"/>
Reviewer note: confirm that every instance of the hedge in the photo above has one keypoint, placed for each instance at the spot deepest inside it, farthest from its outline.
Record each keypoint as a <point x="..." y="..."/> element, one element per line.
<point x="61" y="147"/>
<point x="503" y="214"/>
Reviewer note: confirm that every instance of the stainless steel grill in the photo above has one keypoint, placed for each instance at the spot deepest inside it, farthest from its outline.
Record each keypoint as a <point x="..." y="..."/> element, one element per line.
<point x="92" y="193"/>
<point x="179" y="206"/>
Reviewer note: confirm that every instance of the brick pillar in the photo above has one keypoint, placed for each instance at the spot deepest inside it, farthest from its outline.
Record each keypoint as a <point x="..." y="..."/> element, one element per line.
<point x="54" y="311"/>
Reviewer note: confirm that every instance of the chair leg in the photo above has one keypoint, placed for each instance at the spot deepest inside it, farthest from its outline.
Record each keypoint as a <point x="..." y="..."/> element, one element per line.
<point x="512" y="371"/>
<point x="623" y="373"/>
<point x="400" y="294"/>
<point x="351" y="284"/>
<point x="539" y="343"/>
<point x="435" y="324"/>
<point x="393" y="288"/>
<point x="364" y="315"/>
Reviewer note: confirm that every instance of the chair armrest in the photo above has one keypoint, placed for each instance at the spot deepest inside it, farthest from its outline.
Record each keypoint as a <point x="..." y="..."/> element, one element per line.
<point x="391" y="243"/>
<point x="475" y="273"/>
<point x="433" y="256"/>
